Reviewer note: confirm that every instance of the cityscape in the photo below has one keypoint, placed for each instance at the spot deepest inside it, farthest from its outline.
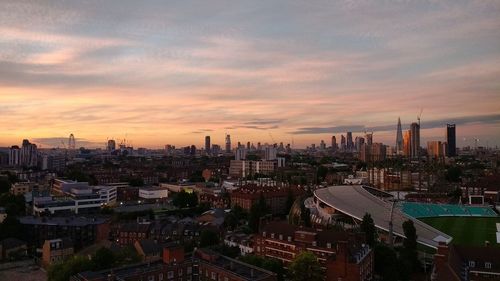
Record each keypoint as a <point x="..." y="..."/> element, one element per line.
<point x="249" y="141"/>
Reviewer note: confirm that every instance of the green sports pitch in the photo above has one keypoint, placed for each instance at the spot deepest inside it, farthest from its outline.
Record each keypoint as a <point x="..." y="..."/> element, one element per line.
<point x="472" y="231"/>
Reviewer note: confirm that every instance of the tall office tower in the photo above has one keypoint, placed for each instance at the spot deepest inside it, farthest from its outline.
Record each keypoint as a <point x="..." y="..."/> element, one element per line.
<point x="71" y="142"/>
<point x="270" y="153"/>
<point x="228" y="143"/>
<point x="451" y="139"/>
<point x="399" y="137"/>
<point x="369" y="138"/>
<point x="192" y="150"/>
<point x="322" y="145"/>
<point x="29" y="154"/>
<point x="248" y="146"/>
<point x="14" y="156"/>
<point x="415" y="140"/>
<point x="334" y="143"/>
<point x="111" y="145"/>
<point x="435" y="149"/>
<point x="407" y="143"/>
<point x="358" y="142"/>
<point x="240" y="153"/>
<point x="259" y="146"/>
<point x="342" y="143"/>
<point x="350" y="143"/>
<point x="207" y="144"/>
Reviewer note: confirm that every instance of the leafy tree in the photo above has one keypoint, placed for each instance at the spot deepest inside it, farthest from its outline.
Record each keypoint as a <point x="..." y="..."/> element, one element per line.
<point x="208" y="238"/>
<point x="103" y="259"/>
<point x="305" y="215"/>
<point x="453" y="174"/>
<point x="63" y="271"/>
<point x="185" y="200"/>
<point x="368" y="227"/>
<point x="257" y="210"/>
<point x="10" y="227"/>
<point x="270" y="264"/>
<point x="5" y="185"/>
<point x="138" y="182"/>
<point x="386" y="263"/>
<point x="305" y="267"/>
<point x="227" y="251"/>
<point x="290" y="199"/>
<point x="409" y="251"/>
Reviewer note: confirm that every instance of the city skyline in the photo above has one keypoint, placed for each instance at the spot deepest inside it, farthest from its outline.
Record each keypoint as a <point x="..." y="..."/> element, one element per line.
<point x="173" y="73"/>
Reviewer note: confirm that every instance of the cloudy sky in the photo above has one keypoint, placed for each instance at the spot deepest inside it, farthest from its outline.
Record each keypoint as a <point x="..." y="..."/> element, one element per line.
<point x="171" y="72"/>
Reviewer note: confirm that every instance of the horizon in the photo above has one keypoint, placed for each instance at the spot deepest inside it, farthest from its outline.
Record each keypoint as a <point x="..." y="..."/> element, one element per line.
<point x="172" y="73"/>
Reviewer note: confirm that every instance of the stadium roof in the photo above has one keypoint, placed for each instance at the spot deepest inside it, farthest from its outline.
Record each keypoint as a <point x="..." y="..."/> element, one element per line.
<point x="355" y="201"/>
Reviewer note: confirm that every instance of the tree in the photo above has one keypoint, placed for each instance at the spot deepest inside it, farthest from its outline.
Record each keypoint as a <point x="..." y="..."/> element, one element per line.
<point x="305" y="267"/>
<point x="185" y="200"/>
<point x="103" y="259"/>
<point x="305" y="215"/>
<point x="63" y="271"/>
<point x="270" y="264"/>
<point x="5" y="185"/>
<point x="290" y="199"/>
<point x="409" y="252"/>
<point x="386" y="263"/>
<point x="368" y="227"/>
<point x="453" y="174"/>
<point x="257" y="211"/>
<point x="208" y="238"/>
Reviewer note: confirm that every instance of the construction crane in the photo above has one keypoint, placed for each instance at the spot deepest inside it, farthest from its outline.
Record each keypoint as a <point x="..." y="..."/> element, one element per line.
<point x="420" y="115"/>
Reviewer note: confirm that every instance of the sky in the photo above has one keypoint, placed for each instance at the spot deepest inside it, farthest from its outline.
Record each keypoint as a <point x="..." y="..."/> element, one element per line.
<point x="170" y="72"/>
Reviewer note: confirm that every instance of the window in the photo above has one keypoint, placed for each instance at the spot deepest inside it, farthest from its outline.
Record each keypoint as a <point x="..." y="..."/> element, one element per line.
<point x="189" y="270"/>
<point x="214" y="276"/>
<point x="487" y="265"/>
<point x="281" y="236"/>
<point x="329" y="245"/>
<point x="272" y="235"/>
<point x="179" y="272"/>
<point x="289" y="238"/>
<point x="151" y="278"/>
<point x="160" y="277"/>
<point x="472" y="264"/>
<point x="170" y="275"/>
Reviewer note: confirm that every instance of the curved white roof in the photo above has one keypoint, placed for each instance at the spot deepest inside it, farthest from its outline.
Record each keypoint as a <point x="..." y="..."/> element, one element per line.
<point x="355" y="201"/>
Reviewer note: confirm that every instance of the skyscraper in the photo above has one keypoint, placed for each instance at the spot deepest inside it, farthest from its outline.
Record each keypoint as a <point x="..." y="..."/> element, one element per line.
<point x="451" y="139"/>
<point x="14" y="156"/>
<point x="407" y="144"/>
<point x="399" y="137"/>
<point x="334" y="143"/>
<point x="111" y="145"/>
<point x="342" y="143"/>
<point x="350" y="143"/>
<point x="415" y="140"/>
<point x="29" y="154"/>
<point x="369" y="138"/>
<point x="207" y="144"/>
<point x="228" y="143"/>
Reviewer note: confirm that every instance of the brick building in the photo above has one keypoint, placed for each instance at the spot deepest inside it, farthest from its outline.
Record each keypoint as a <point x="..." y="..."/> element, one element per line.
<point x="56" y="251"/>
<point x="174" y="265"/>
<point x="275" y="196"/>
<point x="344" y="255"/>
<point x="453" y="262"/>
<point x="81" y="230"/>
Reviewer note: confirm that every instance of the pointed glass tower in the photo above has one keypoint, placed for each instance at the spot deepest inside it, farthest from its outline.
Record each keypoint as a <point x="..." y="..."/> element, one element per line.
<point x="399" y="137"/>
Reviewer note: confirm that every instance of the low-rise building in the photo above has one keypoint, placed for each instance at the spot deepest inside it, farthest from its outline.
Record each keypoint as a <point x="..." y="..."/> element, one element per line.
<point x="12" y="248"/>
<point x="460" y="263"/>
<point x="344" y="255"/>
<point x="275" y="196"/>
<point x="81" y="230"/>
<point x="175" y="265"/>
<point x="153" y="193"/>
<point x="56" y="251"/>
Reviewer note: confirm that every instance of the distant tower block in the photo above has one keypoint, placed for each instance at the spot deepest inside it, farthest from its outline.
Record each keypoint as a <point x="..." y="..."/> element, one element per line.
<point x="71" y="142"/>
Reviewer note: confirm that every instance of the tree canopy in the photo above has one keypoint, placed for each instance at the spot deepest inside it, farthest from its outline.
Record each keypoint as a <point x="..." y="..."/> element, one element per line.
<point x="305" y="267"/>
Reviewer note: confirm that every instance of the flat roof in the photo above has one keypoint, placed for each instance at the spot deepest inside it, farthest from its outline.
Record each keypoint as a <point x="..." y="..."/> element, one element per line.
<point x="355" y="201"/>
